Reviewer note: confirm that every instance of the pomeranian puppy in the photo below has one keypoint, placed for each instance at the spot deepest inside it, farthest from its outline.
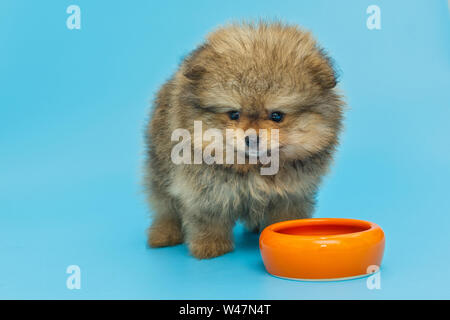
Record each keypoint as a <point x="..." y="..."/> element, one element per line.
<point x="268" y="76"/>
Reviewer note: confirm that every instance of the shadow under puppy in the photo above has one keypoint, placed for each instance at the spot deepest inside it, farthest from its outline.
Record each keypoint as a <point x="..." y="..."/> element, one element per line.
<point x="244" y="76"/>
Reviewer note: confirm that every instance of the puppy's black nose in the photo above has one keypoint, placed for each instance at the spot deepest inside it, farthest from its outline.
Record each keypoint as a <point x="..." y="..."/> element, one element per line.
<point x="254" y="140"/>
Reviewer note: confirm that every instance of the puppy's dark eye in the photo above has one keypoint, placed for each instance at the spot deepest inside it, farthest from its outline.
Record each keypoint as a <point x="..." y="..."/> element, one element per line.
<point x="234" y="115"/>
<point x="276" y="116"/>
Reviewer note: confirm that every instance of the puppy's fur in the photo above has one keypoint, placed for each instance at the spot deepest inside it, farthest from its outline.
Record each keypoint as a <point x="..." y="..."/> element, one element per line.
<point x="255" y="69"/>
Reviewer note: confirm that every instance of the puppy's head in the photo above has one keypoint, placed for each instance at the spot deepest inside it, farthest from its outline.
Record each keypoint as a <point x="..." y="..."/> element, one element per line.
<point x="249" y="77"/>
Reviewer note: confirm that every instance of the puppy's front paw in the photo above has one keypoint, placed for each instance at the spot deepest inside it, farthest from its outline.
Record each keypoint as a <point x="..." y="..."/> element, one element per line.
<point x="210" y="248"/>
<point x="164" y="233"/>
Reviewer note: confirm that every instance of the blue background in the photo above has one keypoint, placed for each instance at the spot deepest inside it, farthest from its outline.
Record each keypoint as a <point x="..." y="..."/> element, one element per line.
<point x="73" y="106"/>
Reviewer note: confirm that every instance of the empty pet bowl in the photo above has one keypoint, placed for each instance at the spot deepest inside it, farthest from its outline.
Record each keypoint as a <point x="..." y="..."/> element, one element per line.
<point x="322" y="249"/>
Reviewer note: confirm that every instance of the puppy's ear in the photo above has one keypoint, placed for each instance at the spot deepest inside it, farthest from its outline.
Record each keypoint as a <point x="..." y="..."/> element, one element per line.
<point x="321" y="69"/>
<point x="194" y="70"/>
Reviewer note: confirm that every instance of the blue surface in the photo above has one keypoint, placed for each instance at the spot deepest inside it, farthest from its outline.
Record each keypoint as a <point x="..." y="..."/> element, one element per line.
<point x="73" y="104"/>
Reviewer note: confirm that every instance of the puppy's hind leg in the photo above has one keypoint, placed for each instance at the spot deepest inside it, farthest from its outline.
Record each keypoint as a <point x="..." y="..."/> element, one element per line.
<point x="165" y="229"/>
<point x="283" y="209"/>
<point x="253" y="222"/>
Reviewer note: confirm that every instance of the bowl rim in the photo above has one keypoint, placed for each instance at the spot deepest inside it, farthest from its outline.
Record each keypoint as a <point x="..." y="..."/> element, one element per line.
<point x="273" y="228"/>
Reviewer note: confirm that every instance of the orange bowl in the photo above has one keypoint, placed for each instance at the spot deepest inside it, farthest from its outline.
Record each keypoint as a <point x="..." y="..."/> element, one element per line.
<point x="322" y="249"/>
